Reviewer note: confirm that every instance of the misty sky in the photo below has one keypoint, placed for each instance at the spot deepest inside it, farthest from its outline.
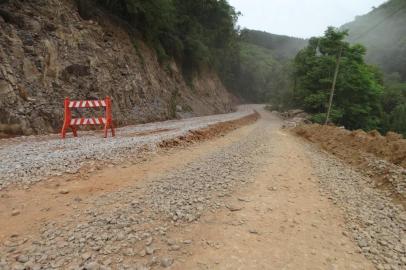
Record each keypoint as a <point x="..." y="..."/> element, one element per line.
<point x="299" y="18"/>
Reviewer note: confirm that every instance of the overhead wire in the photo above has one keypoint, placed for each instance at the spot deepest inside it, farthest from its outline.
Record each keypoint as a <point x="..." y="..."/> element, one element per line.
<point x="378" y="24"/>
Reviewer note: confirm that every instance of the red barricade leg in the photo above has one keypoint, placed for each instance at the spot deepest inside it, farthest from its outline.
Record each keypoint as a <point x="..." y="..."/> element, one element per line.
<point x="113" y="132"/>
<point x="75" y="131"/>
<point x="67" y="118"/>
<point x="105" y="131"/>
<point x="109" y="119"/>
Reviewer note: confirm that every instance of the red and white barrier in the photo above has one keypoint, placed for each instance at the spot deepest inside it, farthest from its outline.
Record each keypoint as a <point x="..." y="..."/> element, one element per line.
<point x="87" y="104"/>
<point x="73" y="123"/>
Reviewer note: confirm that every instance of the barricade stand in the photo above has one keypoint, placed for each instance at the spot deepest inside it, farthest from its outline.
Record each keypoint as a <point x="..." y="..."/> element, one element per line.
<point x="68" y="122"/>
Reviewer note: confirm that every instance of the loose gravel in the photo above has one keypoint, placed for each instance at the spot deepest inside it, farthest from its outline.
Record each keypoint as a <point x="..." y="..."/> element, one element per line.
<point x="128" y="229"/>
<point x="26" y="160"/>
<point x="376" y="223"/>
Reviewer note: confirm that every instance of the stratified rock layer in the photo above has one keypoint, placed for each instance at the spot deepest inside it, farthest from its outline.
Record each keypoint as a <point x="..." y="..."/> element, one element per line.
<point x="48" y="52"/>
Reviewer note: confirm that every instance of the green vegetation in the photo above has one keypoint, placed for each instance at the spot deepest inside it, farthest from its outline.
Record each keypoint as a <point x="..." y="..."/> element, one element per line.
<point x="394" y="105"/>
<point x="363" y="98"/>
<point x="194" y="33"/>
<point x="383" y="33"/>
<point x="203" y="33"/>
<point x="359" y="86"/>
<point x="284" y="48"/>
<point x="264" y="67"/>
<point x="261" y="76"/>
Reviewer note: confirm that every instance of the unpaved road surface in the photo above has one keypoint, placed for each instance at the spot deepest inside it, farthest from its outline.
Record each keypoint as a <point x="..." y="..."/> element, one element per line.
<point x="256" y="198"/>
<point x="26" y="160"/>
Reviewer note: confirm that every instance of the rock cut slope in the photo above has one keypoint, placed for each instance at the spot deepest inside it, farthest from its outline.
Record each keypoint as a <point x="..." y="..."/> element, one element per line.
<point x="48" y="52"/>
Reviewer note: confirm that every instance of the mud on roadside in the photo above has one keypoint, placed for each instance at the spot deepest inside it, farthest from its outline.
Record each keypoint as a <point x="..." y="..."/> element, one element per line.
<point x="382" y="158"/>
<point x="210" y="132"/>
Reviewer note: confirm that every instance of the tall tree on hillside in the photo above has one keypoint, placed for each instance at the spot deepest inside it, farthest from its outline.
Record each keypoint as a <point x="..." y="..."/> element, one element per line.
<point x="358" y="89"/>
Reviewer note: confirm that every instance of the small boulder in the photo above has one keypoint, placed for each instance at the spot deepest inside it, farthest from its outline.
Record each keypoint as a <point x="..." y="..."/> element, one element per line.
<point x="166" y="262"/>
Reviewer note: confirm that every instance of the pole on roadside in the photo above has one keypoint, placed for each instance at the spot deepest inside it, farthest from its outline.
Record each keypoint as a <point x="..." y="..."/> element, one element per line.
<point x="333" y="87"/>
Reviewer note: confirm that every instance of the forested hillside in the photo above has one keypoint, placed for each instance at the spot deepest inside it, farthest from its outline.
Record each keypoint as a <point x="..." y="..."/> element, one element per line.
<point x="194" y="33"/>
<point x="383" y="32"/>
<point x="264" y="72"/>
<point x="162" y="59"/>
<point x="283" y="47"/>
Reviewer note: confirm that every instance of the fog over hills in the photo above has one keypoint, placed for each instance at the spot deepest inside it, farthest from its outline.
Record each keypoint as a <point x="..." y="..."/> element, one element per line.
<point x="383" y="32"/>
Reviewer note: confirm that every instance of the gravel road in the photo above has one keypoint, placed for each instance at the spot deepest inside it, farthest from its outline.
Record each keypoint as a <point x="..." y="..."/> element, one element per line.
<point x="29" y="159"/>
<point x="124" y="229"/>
<point x="266" y="200"/>
<point x="376" y="222"/>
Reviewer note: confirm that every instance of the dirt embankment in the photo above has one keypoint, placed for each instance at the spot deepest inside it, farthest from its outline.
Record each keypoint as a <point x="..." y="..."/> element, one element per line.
<point x="381" y="157"/>
<point x="391" y="147"/>
<point x="211" y="131"/>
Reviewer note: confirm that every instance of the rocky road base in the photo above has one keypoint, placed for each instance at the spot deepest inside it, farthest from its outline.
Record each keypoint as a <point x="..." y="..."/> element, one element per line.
<point x="129" y="229"/>
<point x="375" y="221"/>
<point x="27" y="160"/>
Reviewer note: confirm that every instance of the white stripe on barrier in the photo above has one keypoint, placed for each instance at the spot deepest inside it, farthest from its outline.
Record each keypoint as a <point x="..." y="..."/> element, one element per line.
<point x="88" y="121"/>
<point x="87" y="103"/>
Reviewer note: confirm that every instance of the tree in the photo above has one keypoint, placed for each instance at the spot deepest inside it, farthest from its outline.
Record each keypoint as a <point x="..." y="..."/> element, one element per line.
<point x="195" y="33"/>
<point x="394" y="105"/>
<point x="359" y="86"/>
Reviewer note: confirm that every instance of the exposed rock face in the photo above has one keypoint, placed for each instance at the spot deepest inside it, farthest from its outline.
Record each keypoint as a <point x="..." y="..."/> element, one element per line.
<point x="48" y="52"/>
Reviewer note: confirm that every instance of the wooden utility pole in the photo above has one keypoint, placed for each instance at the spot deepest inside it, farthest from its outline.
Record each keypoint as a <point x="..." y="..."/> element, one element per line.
<point x="333" y="87"/>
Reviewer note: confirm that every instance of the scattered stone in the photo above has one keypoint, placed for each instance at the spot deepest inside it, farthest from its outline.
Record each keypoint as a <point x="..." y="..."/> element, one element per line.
<point x="91" y="266"/>
<point x="166" y="262"/>
<point x="234" y="208"/>
<point x="149" y="250"/>
<point x="142" y="253"/>
<point x="148" y="242"/>
<point x="64" y="191"/>
<point x="15" y="213"/>
<point x="22" y="258"/>
<point x="174" y="248"/>
<point x="171" y="242"/>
